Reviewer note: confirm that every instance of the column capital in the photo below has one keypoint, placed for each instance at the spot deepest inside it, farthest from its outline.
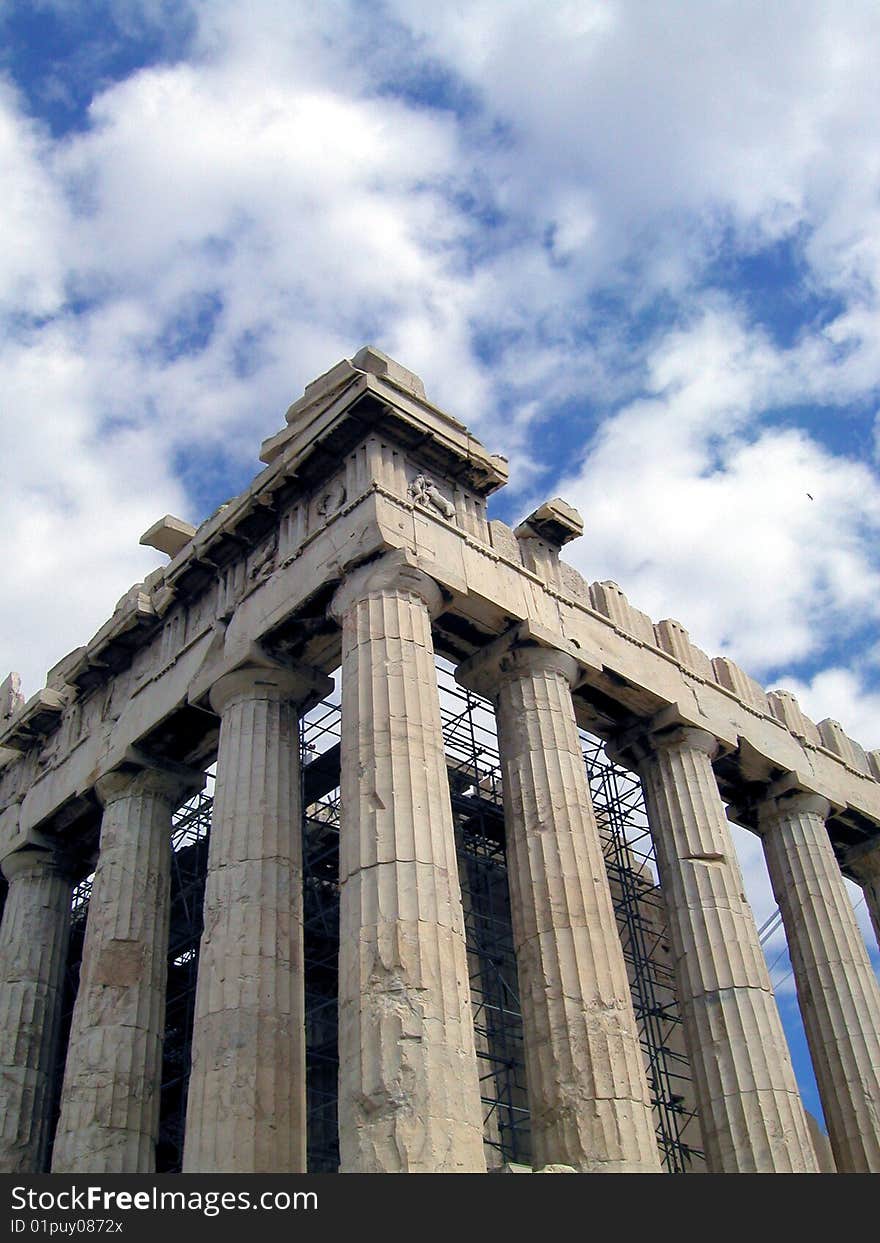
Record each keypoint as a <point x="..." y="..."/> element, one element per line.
<point x="508" y="659"/>
<point x="648" y="737"/>
<point x="394" y="572"/>
<point x="409" y="1093"/>
<point x="173" y="784"/>
<point x="587" y="1086"/>
<point x="750" y="1113"/>
<point x="112" y="1074"/>
<point x="248" y="1034"/>
<point x="774" y="808"/>
<point x="35" y="860"/>
<point x="299" y="684"/>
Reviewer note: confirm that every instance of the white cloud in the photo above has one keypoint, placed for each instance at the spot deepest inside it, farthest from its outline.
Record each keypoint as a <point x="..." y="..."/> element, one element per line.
<point x="732" y="109"/>
<point x="271" y="177"/>
<point x="538" y="245"/>
<point x="755" y="536"/>
<point x="842" y="695"/>
<point x="756" y="882"/>
<point x="78" y="505"/>
<point x="30" y="214"/>
<point x="307" y="220"/>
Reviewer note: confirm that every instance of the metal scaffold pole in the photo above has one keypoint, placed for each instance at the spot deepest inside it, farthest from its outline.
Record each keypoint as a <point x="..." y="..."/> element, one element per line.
<point x="475" y="785"/>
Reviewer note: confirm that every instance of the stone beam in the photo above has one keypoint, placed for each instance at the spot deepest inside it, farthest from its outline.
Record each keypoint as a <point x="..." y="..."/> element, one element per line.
<point x="640" y="678"/>
<point x="169" y="535"/>
<point x="252" y="586"/>
<point x="157" y="694"/>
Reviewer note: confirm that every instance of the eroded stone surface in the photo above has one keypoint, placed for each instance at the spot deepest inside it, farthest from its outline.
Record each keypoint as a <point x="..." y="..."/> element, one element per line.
<point x="247" y="1103"/>
<point x="33" y="957"/>
<point x="588" y="1095"/>
<point x="11" y="698"/>
<point x="337" y="492"/>
<point x="409" y="1098"/>
<point x="751" y="1114"/>
<point x="837" y="989"/>
<point x="109" y="1119"/>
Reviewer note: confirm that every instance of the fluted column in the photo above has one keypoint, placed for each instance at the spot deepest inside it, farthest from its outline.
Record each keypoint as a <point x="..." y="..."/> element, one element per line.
<point x="866" y="869"/>
<point x="836" y="986"/>
<point x="588" y="1095"/>
<point x="33" y="955"/>
<point x="246" y="1107"/>
<point x="409" y="1097"/>
<point x="109" y="1119"/>
<point x="478" y="986"/>
<point x="750" y="1110"/>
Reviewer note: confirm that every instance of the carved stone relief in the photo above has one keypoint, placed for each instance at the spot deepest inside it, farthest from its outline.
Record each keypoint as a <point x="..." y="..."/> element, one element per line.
<point x="333" y="499"/>
<point x="264" y="561"/>
<point x="424" y="491"/>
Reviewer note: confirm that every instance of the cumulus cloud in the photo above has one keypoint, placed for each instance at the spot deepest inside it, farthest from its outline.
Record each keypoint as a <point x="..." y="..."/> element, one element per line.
<point x="634" y="246"/>
<point x="31" y="216"/>
<point x="840" y="690"/>
<point x="754" y="535"/>
<point x="77" y="502"/>
<point x="211" y="242"/>
<point x="542" y="212"/>
<point x="760" y="894"/>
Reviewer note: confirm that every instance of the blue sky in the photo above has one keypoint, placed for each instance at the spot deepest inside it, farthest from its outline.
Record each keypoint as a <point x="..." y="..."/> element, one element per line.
<point x="634" y="246"/>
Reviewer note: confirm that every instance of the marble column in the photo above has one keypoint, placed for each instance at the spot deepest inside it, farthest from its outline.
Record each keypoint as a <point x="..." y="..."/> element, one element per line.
<point x="110" y="1098"/>
<point x="836" y="986"/>
<point x="409" y="1095"/>
<point x="246" y="1107"/>
<point x="33" y="956"/>
<point x="588" y="1095"/>
<point x="866" y="869"/>
<point x="750" y="1110"/>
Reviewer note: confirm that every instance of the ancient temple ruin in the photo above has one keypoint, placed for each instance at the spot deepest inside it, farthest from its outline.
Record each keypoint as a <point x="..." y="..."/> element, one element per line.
<point x="483" y="913"/>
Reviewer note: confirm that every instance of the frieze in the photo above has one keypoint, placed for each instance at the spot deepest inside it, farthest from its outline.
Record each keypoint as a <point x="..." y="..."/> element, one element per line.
<point x="424" y="491"/>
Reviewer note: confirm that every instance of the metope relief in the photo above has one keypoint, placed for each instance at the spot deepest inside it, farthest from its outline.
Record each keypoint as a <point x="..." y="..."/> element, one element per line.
<point x="264" y="561"/>
<point x="424" y="491"/>
<point x="332" y="499"/>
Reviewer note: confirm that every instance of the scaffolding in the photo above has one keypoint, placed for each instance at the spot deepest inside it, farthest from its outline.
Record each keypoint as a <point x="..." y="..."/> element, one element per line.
<point x="641" y="921"/>
<point x="475" y="788"/>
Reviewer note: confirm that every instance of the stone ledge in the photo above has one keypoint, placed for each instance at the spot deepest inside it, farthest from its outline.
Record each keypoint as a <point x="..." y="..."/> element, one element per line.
<point x="34" y="720"/>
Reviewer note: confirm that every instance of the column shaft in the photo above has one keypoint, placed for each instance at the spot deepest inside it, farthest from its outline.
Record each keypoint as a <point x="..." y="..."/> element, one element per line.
<point x="836" y="986"/>
<point x="409" y="1098"/>
<point x="110" y="1098"/>
<point x="246" y="1108"/>
<point x="33" y="955"/>
<point x="588" y="1095"/>
<point x="750" y="1111"/>
<point x="866" y="869"/>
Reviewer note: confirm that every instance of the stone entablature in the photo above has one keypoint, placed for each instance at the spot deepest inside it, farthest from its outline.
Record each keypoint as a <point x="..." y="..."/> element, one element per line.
<point x="367" y="465"/>
<point x="365" y="542"/>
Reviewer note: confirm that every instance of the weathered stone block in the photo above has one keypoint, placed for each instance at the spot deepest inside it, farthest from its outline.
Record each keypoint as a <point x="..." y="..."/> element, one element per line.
<point x="169" y="535"/>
